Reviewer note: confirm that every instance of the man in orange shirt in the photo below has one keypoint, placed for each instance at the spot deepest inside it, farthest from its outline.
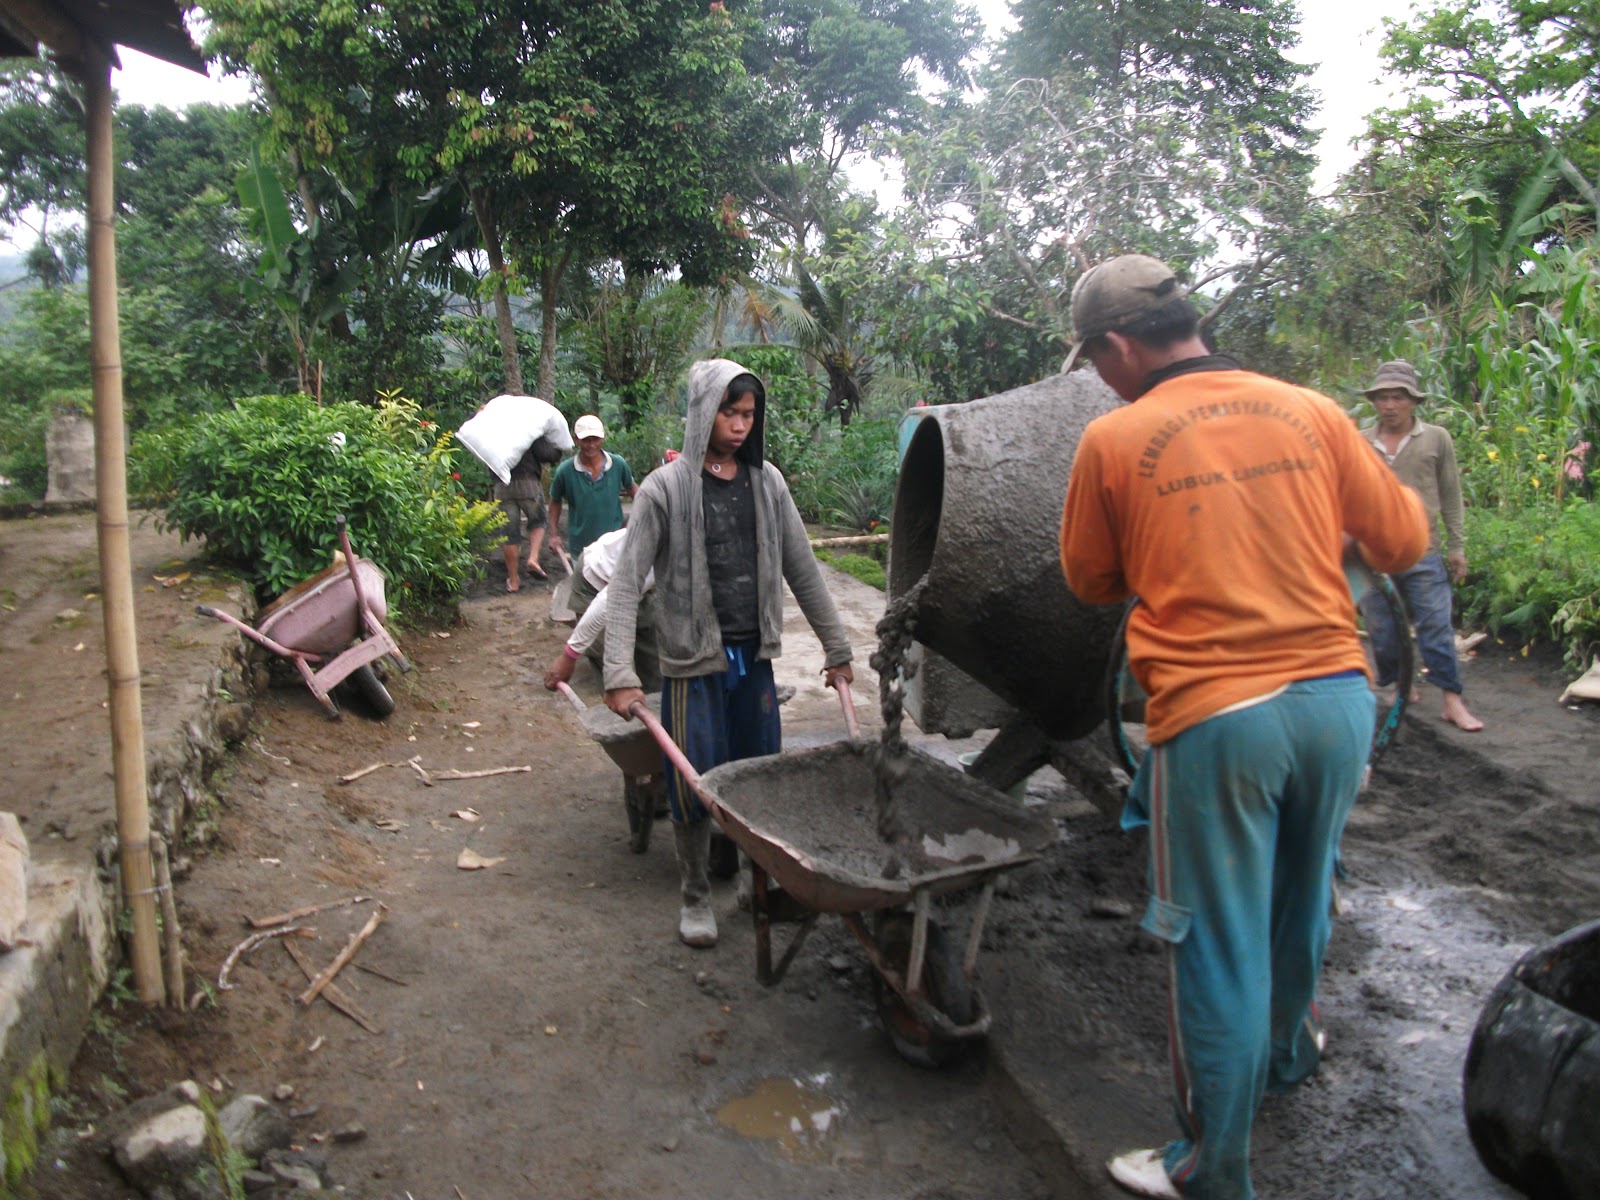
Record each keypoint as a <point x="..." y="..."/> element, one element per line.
<point x="1222" y="499"/>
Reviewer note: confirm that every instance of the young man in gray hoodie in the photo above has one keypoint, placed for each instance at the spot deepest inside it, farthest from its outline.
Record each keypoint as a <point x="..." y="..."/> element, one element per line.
<point x="721" y="532"/>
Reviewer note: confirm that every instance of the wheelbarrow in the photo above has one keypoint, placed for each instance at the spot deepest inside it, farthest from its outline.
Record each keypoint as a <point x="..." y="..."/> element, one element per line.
<point x="808" y="822"/>
<point x="318" y="619"/>
<point x="630" y="746"/>
<point x="644" y="792"/>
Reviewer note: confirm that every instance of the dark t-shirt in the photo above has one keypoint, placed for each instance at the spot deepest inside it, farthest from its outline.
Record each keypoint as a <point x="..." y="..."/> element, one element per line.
<point x="729" y="507"/>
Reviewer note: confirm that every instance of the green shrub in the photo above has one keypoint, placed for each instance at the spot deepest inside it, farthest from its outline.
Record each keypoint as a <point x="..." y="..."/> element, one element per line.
<point x="1536" y="574"/>
<point x="263" y="482"/>
<point x="859" y="566"/>
<point x="644" y="441"/>
<point x="859" y="468"/>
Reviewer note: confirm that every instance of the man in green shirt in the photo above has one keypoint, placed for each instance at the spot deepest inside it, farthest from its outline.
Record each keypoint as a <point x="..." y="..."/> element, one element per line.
<point x="1424" y="459"/>
<point x="592" y="482"/>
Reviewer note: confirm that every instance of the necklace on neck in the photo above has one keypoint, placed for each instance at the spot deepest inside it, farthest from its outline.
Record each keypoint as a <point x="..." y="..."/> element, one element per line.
<point x="716" y="468"/>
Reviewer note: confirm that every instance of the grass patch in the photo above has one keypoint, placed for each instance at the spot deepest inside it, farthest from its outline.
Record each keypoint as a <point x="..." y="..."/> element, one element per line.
<point x="859" y="566"/>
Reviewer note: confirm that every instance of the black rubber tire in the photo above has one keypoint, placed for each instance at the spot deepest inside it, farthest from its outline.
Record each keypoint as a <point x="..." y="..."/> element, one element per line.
<point x="946" y="986"/>
<point x="724" y="856"/>
<point x="364" y="682"/>
<point x="1531" y="1083"/>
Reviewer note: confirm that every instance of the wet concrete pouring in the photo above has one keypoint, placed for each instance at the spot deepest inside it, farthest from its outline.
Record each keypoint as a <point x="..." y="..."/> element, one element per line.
<point x="543" y="1033"/>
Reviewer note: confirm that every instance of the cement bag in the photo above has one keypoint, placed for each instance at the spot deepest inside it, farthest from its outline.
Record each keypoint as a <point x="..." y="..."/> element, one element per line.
<point x="1585" y="687"/>
<point x="501" y="431"/>
<point x="1531" y="1087"/>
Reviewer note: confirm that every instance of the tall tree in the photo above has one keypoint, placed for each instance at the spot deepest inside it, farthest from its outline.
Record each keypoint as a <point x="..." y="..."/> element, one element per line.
<point x="579" y="130"/>
<point x="1181" y="136"/>
<point x="1500" y="77"/>
<point x="843" y="72"/>
<point x="41" y="163"/>
<point x="637" y="332"/>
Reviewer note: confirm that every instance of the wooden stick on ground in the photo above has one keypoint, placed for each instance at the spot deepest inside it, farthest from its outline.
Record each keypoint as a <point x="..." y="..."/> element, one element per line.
<point x="171" y="933"/>
<point x="416" y="765"/>
<point x="480" y="774"/>
<point x="355" y="775"/>
<point x="327" y="973"/>
<point x="251" y="942"/>
<point x="380" y="974"/>
<point x="333" y="994"/>
<point x="296" y="914"/>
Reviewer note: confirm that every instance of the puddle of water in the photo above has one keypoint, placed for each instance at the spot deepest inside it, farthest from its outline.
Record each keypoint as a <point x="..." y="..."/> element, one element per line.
<point x="795" y="1114"/>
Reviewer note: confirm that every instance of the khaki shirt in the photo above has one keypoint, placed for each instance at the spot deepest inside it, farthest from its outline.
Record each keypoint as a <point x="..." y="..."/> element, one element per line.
<point x="1427" y="463"/>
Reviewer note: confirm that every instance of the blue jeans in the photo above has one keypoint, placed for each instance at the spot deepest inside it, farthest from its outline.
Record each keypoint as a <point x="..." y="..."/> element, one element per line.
<point x="1425" y="588"/>
<point x="1245" y="812"/>
<point x="719" y="718"/>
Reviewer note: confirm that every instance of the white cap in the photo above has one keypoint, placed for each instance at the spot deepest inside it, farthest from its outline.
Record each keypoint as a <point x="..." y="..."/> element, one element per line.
<point x="588" y="425"/>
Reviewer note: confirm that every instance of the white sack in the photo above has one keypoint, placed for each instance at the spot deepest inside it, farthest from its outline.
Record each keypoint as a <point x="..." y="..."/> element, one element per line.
<point x="501" y="431"/>
<point x="1585" y="687"/>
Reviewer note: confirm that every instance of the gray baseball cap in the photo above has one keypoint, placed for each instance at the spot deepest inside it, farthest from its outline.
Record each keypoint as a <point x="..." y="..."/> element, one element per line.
<point x="1115" y="294"/>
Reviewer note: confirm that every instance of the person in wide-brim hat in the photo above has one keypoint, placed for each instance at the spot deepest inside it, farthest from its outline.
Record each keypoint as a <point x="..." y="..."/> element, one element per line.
<point x="1396" y="373"/>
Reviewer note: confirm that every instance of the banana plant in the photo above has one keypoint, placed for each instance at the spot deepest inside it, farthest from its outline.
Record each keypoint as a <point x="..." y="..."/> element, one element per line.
<point x="287" y="272"/>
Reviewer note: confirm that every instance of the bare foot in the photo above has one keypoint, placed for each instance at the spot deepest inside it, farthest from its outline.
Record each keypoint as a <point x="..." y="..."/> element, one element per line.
<point x="1457" y="713"/>
<point x="513" y="585"/>
<point x="536" y="571"/>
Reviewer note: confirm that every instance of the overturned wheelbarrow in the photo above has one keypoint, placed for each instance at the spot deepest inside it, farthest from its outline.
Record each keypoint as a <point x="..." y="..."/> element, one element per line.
<point x="1531" y="1086"/>
<point x="318" y="619"/>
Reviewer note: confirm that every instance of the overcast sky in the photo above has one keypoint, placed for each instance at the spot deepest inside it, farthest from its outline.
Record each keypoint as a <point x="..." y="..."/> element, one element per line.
<point x="1340" y="36"/>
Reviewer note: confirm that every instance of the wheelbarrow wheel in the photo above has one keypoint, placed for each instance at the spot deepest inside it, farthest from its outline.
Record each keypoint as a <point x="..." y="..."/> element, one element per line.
<point x="364" y="682"/>
<point x="724" y="862"/>
<point x="640" y="801"/>
<point x="943" y="982"/>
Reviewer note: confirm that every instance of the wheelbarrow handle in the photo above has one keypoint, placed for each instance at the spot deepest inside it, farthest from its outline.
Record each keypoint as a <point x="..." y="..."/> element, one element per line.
<point x="848" y="703"/>
<point x="206" y="610"/>
<point x="565" y="689"/>
<point x="668" y="747"/>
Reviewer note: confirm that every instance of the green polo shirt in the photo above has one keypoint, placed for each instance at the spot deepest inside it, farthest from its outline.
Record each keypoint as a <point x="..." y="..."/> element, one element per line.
<point x="593" y="506"/>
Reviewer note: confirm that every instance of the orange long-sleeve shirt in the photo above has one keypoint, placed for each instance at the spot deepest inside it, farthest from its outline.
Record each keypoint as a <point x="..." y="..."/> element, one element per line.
<point x="1219" y="498"/>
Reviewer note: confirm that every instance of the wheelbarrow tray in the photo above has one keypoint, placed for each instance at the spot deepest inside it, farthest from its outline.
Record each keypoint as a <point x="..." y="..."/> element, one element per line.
<point x="319" y="616"/>
<point x="809" y="819"/>
<point x="628" y="743"/>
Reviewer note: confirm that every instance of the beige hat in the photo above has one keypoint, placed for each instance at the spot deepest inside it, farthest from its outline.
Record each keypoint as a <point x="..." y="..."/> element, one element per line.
<point x="1397" y="373"/>
<point x="588" y="425"/>
<point x="1115" y="294"/>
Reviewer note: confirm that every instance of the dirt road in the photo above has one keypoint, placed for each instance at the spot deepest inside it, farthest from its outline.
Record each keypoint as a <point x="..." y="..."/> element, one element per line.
<point x="544" y="1034"/>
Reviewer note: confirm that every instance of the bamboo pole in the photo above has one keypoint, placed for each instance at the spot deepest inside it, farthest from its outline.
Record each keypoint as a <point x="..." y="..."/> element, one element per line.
<point x="171" y="931"/>
<point x="863" y="539"/>
<point x="116" y="566"/>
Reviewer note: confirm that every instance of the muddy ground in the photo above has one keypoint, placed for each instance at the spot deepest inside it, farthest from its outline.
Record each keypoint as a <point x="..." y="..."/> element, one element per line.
<point x="542" y="1033"/>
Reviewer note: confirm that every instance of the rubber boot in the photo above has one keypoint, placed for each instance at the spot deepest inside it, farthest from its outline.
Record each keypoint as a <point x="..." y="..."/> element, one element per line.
<point x="697" y="924"/>
<point x="744" y="890"/>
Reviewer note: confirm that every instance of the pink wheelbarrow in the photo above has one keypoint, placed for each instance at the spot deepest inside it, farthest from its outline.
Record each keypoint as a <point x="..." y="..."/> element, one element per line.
<point x="318" y="619"/>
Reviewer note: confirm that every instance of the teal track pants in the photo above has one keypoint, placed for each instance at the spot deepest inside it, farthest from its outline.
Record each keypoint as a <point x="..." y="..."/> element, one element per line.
<point x="1245" y="812"/>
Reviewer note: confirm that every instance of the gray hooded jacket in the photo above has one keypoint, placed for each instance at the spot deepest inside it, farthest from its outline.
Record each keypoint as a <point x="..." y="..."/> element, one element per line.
<point x="666" y="531"/>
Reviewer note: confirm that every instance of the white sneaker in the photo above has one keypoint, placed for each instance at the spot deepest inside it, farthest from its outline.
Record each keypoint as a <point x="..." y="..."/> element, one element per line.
<point x="697" y="924"/>
<point x="1143" y="1173"/>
